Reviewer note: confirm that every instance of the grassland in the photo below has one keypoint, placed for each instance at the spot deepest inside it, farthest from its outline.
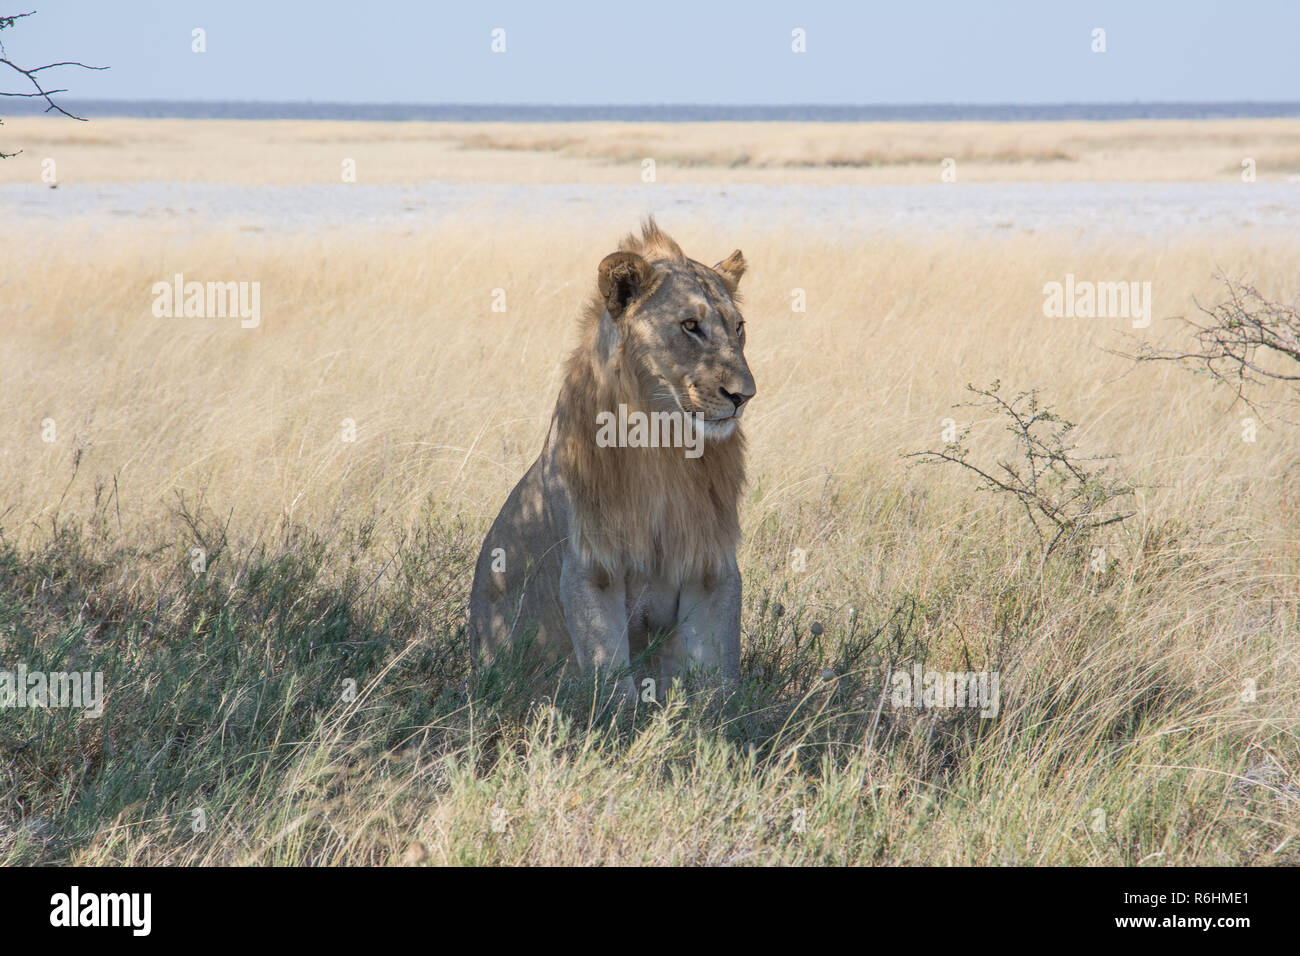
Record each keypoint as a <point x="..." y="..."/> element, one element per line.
<point x="124" y="150"/>
<point x="1127" y="733"/>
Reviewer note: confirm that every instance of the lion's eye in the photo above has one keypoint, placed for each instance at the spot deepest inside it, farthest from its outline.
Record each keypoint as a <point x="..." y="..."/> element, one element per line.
<point x="690" y="325"/>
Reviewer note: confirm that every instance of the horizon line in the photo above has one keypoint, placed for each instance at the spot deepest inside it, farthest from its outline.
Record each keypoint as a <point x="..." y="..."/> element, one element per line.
<point x="527" y="104"/>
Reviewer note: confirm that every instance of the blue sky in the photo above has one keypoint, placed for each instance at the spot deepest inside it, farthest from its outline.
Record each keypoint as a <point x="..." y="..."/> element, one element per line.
<point x="655" y="52"/>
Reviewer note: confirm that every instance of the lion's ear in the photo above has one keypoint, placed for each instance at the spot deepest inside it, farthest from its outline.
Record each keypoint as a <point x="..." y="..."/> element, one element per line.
<point x="623" y="278"/>
<point x="731" y="269"/>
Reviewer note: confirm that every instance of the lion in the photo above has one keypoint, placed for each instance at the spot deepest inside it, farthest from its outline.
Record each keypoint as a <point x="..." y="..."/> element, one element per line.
<point x="607" y="549"/>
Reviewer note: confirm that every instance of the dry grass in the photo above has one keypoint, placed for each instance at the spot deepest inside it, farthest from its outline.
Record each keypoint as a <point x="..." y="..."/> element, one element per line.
<point x="1121" y="691"/>
<point x="116" y="150"/>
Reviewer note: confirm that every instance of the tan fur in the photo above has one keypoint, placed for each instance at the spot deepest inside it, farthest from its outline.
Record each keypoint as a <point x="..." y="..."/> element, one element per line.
<point x="630" y="530"/>
<point x="652" y="244"/>
<point x="645" y="508"/>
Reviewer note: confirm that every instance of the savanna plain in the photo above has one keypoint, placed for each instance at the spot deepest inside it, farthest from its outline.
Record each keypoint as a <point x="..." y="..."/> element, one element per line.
<point x="264" y="537"/>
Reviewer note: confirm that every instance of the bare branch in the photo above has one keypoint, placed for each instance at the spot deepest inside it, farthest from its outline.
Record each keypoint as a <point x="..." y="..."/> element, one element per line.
<point x="1057" y="492"/>
<point x="38" y="91"/>
<point x="1249" y="342"/>
<point x="41" y="92"/>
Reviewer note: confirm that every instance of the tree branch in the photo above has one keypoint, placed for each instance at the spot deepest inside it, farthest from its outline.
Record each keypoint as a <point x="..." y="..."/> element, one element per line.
<point x="38" y="90"/>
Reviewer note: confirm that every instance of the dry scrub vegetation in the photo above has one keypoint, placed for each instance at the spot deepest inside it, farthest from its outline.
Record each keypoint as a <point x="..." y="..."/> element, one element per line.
<point x="292" y="151"/>
<point x="1122" y="690"/>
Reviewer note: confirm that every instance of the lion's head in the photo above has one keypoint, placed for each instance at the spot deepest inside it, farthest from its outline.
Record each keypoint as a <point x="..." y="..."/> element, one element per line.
<point x="662" y="334"/>
<point x="673" y="325"/>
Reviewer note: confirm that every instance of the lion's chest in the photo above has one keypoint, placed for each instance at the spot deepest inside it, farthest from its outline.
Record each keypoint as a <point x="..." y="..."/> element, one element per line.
<point x="651" y="602"/>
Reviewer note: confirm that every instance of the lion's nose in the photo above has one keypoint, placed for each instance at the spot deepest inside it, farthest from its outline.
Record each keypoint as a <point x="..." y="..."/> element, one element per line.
<point x="737" y="398"/>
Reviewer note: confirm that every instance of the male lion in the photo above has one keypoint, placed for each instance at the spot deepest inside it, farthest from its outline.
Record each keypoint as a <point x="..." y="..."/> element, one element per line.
<point x="601" y="549"/>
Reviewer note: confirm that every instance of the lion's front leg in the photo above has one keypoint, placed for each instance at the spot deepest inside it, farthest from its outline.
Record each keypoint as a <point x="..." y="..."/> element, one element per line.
<point x="708" y="624"/>
<point x="595" y="610"/>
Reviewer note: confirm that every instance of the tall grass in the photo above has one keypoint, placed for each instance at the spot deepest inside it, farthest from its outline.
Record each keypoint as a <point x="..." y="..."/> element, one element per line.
<point x="1126" y="731"/>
